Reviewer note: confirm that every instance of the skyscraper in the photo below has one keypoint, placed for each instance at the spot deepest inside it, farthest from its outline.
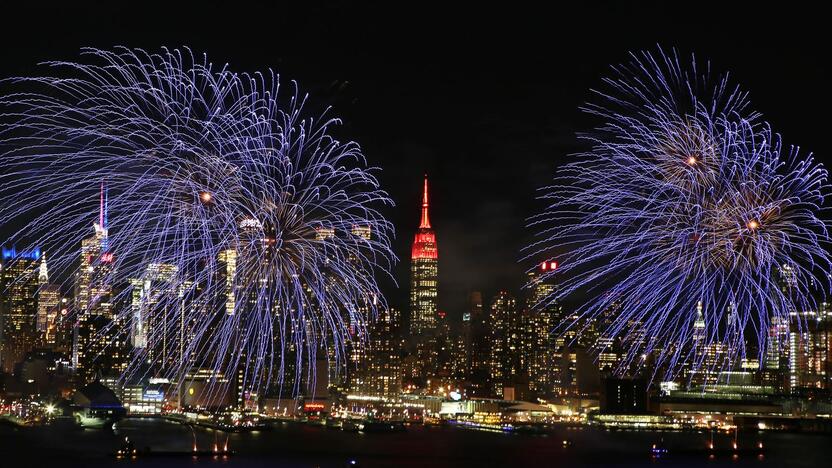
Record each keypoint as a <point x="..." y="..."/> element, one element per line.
<point x="476" y="334"/>
<point x="155" y="313"/>
<point x="504" y="345"/>
<point x="49" y="298"/>
<point x="540" y="352"/>
<point x="100" y="344"/>
<point x="424" y="274"/>
<point x="18" y="305"/>
<point x="424" y="285"/>
<point x="809" y="349"/>
<point x="380" y="369"/>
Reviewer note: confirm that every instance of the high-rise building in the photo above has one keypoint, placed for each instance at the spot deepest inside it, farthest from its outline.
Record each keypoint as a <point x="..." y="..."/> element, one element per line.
<point x="609" y="347"/>
<point x="424" y="286"/>
<point x="49" y="298"/>
<point x="461" y="348"/>
<point x="476" y="333"/>
<point x="809" y="349"/>
<point x="156" y="314"/>
<point x="503" y="344"/>
<point x="380" y="374"/>
<point x="60" y="333"/>
<point x="100" y="346"/>
<point x="445" y="346"/>
<point x="358" y="374"/>
<point x="775" y="368"/>
<point x="424" y="274"/>
<point x="254" y="252"/>
<point x="227" y="271"/>
<point x="709" y="360"/>
<point x="18" y="305"/>
<point x="540" y="352"/>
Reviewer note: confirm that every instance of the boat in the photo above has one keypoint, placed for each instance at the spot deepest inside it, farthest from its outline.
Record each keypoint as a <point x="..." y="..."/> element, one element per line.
<point x="659" y="450"/>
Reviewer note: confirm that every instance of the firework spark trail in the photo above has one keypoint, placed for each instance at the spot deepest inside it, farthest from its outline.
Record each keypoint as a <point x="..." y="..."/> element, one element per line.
<point x="686" y="202"/>
<point x="199" y="161"/>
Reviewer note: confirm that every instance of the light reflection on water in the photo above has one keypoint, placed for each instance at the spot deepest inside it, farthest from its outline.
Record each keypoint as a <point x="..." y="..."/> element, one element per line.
<point x="298" y="445"/>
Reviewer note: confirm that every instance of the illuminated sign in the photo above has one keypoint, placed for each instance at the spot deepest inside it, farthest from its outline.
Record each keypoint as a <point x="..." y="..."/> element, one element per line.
<point x="313" y="406"/>
<point x="33" y="254"/>
<point x="154" y="395"/>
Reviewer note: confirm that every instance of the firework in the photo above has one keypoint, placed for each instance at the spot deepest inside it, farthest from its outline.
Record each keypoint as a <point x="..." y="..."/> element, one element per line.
<point x="233" y="233"/>
<point x="687" y="231"/>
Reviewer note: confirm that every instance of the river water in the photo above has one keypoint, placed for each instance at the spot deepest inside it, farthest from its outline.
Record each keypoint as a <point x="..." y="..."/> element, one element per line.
<point x="299" y="445"/>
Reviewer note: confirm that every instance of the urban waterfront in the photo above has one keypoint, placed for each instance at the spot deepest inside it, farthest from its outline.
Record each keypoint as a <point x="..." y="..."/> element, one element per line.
<point x="369" y="235"/>
<point x="300" y="445"/>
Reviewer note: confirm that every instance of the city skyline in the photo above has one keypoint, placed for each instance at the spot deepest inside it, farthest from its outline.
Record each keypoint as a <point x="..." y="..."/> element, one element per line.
<point x="369" y="234"/>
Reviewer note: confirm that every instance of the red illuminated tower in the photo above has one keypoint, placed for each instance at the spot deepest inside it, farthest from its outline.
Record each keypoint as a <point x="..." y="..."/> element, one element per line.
<point x="424" y="274"/>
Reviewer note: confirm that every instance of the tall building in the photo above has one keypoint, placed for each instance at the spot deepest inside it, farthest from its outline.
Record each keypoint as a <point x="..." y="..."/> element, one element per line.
<point x="226" y="272"/>
<point x="540" y="352"/>
<point x="254" y="253"/>
<point x="380" y="370"/>
<point x="461" y="344"/>
<point x="809" y="350"/>
<point x="709" y="359"/>
<point x="18" y="305"/>
<point x="358" y="374"/>
<point x="100" y="346"/>
<point x="503" y="363"/>
<point x="609" y="346"/>
<point x="49" y="301"/>
<point x="424" y="274"/>
<point x="775" y="368"/>
<point x="156" y="314"/>
<point x="60" y="333"/>
<point x="476" y="334"/>
<point x="424" y="286"/>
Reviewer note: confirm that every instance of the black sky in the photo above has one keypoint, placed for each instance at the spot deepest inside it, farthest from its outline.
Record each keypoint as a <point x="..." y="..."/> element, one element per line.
<point x="482" y="98"/>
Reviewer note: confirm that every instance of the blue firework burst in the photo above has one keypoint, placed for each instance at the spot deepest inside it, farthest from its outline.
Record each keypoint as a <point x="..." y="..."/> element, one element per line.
<point x="241" y="235"/>
<point x="688" y="230"/>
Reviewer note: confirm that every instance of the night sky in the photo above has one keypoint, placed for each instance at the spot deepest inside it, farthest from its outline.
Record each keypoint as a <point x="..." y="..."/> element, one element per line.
<point x="485" y="100"/>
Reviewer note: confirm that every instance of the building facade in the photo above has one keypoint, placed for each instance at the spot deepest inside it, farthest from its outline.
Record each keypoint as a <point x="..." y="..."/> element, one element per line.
<point x="18" y="305"/>
<point x="424" y="288"/>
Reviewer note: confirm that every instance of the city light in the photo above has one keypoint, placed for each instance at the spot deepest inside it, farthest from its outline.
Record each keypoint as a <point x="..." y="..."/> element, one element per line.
<point x="193" y="254"/>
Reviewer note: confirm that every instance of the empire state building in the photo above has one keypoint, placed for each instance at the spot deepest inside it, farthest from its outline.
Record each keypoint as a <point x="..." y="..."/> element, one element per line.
<point x="424" y="275"/>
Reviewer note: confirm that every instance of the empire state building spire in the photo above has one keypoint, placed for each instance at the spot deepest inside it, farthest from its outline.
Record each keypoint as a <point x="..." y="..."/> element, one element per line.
<point x="424" y="243"/>
<point x="425" y="223"/>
